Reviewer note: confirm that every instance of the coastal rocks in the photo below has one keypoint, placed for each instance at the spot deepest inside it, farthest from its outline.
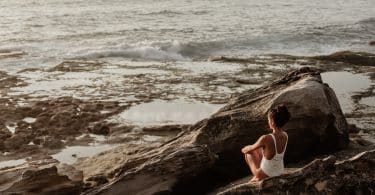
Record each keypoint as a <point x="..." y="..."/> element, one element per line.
<point x="243" y="120"/>
<point x="208" y="154"/>
<point x="356" y="58"/>
<point x="7" y="81"/>
<point x="322" y="176"/>
<point x="342" y="60"/>
<point x="100" y="129"/>
<point x="77" y="66"/>
<point x="10" y="54"/>
<point x="51" y="124"/>
<point x="41" y="177"/>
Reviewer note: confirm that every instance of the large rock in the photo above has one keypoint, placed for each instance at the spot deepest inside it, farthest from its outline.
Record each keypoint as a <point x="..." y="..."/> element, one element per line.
<point x="208" y="154"/>
<point x="322" y="176"/>
<point x="41" y="177"/>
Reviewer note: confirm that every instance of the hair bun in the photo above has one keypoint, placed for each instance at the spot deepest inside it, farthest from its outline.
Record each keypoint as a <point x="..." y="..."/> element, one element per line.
<point x="280" y="115"/>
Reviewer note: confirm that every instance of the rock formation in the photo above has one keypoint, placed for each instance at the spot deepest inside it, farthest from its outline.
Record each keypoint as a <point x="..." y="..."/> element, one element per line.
<point x="208" y="154"/>
<point x="322" y="176"/>
<point x="41" y="177"/>
<point x="356" y="58"/>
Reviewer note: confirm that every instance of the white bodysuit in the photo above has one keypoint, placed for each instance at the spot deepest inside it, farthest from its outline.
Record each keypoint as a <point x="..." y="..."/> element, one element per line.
<point x="274" y="166"/>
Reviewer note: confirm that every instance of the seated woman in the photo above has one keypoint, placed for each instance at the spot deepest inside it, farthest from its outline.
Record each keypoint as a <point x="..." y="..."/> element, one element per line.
<point x="266" y="157"/>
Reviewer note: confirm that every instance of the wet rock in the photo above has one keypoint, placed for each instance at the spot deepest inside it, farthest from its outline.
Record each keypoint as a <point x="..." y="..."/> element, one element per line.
<point x="40" y="177"/>
<point x="8" y="81"/>
<point x="352" y="128"/>
<point x="359" y="140"/>
<point x="38" y="141"/>
<point x="11" y="54"/>
<point x="209" y="152"/>
<point x="322" y="176"/>
<point x="16" y="142"/>
<point x="100" y="129"/>
<point x="97" y="180"/>
<point x="356" y="58"/>
<point x="248" y="81"/>
<point x="4" y="133"/>
<point x="77" y="66"/>
<point x="166" y="128"/>
<point x="52" y="142"/>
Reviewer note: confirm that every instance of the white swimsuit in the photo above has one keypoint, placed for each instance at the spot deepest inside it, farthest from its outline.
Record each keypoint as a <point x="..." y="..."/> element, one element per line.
<point x="275" y="166"/>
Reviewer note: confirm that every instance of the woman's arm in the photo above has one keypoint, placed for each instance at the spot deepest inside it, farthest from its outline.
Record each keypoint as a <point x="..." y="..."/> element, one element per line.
<point x="256" y="145"/>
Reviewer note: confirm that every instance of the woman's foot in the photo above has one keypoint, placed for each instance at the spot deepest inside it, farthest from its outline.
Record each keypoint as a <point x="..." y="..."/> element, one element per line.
<point x="254" y="179"/>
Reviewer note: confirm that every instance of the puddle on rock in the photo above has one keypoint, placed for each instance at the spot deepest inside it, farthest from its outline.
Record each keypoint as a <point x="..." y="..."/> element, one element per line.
<point x="70" y="154"/>
<point x="29" y="119"/>
<point x="346" y="84"/>
<point x="11" y="163"/>
<point x="160" y="112"/>
<point x="151" y="138"/>
<point x="12" y="128"/>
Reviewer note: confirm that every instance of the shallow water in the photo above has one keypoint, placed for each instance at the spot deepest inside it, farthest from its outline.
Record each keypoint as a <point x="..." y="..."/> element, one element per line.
<point x="345" y="85"/>
<point x="70" y="154"/>
<point x="10" y="163"/>
<point x="161" y="112"/>
<point x="29" y="119"/>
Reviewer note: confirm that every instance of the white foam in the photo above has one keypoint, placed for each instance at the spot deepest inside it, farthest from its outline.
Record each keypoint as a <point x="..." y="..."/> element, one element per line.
<point x="142" y="50"/>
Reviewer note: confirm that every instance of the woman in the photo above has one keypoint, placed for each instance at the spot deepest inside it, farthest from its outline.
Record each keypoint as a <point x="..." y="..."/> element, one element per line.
<point x="266" y="157"/>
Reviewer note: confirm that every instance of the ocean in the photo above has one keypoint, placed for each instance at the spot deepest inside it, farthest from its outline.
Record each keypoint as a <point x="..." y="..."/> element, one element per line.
<point x="52" y="31"/>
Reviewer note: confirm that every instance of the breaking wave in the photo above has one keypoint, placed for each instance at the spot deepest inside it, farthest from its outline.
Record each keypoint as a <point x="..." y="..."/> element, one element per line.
<point x="159" y="51"/>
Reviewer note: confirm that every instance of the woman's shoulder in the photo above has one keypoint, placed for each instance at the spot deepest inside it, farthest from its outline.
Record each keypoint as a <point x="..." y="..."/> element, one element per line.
<point x="266" y="137"/>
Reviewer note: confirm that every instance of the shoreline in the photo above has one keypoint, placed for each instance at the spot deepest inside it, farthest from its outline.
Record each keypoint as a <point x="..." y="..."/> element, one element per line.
<point x="27" y="118"/>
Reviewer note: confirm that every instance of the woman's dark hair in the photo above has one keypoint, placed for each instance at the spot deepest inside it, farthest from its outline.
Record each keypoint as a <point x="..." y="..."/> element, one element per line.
<point x="280" y="115"/>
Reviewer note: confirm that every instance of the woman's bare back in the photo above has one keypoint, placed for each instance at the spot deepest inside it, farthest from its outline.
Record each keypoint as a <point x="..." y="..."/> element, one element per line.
<point x="269" y="149"/>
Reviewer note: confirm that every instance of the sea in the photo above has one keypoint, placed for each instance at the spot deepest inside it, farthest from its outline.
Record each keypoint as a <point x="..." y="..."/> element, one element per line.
<point x="51" y="31"/>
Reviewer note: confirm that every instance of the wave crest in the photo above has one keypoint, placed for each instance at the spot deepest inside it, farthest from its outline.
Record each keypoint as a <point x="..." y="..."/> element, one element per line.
<point x="156" y="50"/>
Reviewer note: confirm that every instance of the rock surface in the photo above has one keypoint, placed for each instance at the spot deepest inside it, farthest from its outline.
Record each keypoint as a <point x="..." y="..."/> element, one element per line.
<point x="322" y="176"/>
<point x="208" y="154"/>
<point x="51" y="121"/>
<point x="357" y="58"/>
<point x="41" y="177"/>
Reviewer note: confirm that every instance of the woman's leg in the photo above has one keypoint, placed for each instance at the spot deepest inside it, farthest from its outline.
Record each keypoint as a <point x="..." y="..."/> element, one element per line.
<point x="253" y="159"/>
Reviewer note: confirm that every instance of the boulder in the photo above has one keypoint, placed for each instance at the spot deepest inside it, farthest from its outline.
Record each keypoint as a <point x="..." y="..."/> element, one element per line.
<point x="208" y="153"/>
<point x="41" y="177"/>
<point x="322" y="176"/>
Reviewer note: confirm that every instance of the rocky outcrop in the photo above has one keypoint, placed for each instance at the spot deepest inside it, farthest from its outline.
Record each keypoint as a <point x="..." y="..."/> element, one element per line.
<point x="322" y="176"/>
<point x="41" y="177"/>
<point x="51" y="122"/>
<point x="208" y="154"/>
<point x="356" y="58"/>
